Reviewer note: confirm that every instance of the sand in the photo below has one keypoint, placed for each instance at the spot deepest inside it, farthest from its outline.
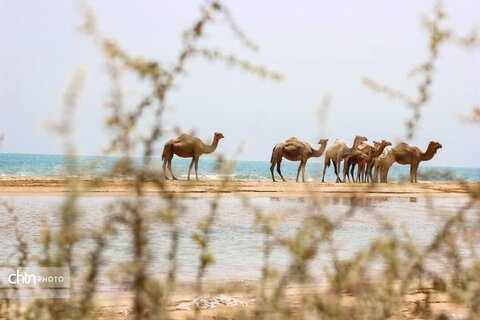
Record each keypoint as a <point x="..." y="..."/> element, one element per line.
<point x="119" y="186"/>
<point x="120" y="307"/>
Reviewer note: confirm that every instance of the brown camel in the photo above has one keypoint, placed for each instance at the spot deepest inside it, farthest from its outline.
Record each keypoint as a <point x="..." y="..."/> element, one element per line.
<point x="337" y="152"/>
<point x="187" y="146"/>
<point x="365" y="169"/>
<point x="295" y="150"/>
<point x="356" y="157"/>
<point x="406" y="154"/>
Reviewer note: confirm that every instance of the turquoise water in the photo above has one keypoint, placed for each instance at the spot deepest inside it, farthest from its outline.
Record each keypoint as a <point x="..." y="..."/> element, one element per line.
<point x="14" y="164"/>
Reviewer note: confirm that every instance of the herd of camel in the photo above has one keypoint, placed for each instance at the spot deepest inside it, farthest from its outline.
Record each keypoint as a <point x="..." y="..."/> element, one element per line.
<point x="373" y="161"/>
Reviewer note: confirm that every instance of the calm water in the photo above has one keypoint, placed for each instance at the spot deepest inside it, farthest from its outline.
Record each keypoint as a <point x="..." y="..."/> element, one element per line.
<point x="12" y="164"/>
<point x="236" y="243"/>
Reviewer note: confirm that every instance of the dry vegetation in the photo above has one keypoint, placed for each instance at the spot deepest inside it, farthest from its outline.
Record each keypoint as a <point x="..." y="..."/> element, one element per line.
<point x="404" y="288"/>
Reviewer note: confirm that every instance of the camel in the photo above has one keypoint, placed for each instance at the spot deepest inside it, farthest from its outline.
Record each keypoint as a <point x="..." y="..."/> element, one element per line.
<point x="337" y="152"/>
<point x="379" y="163"/>
<point x="365" y="169"/>
<point x="406" y="154"/>
<point x="356" y="157"/>
<point x="295" y="150"/>
<point x="187" y="146"/>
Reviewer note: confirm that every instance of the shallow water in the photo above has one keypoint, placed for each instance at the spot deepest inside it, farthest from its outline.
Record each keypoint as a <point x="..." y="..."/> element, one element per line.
<point x="15" y="164"/>
<point x="235" y="241"/>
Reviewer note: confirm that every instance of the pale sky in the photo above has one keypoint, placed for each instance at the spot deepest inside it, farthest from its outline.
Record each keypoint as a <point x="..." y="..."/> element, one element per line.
<point x="320" y="46"/>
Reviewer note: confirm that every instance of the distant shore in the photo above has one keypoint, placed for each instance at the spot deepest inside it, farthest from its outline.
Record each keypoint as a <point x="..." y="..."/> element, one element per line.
<point x="120" y="186"/>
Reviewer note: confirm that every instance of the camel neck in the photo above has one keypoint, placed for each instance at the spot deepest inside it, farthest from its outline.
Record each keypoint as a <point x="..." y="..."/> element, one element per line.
<point x="320" y="151"/>
<point x="379" y="151"/>
<point x="427" y="155"/>
<point x="355" y="145"/>
<point x="211" y="148"/>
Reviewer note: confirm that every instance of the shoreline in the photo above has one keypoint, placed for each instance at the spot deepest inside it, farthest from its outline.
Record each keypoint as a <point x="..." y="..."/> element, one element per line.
<point x="205" y="188"/>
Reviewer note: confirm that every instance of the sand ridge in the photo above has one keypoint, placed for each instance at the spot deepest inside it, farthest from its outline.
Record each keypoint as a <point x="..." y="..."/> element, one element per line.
<point x="122" y="186"/>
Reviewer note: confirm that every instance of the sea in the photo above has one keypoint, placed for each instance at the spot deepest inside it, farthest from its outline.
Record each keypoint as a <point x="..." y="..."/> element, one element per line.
<point x="45" y="165"/>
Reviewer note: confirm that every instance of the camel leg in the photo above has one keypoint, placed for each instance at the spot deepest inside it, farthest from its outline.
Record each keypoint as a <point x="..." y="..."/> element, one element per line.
<point x="336" y="166"/>
<point x="381" y="173"/>
<point x="170" y="169"/>
<point x="349" y="170"/>
<point x="335" y="169"/>
<point x="385" y="174"/>
<point x="352" y="172"/>
<point x="363" y="172"/>
<point x="376" y="174"/>
<point x="359" y="173"/>
<point x="413" y="172"/>
<point x="303" y="171"/>
<point x="370" y="172"/>
<point x="190" y="168"/>
<point x="325" y="164"/>
<point x="196" y="167"/>
<point x="279" y="171"/>
<point x="272" y="168"/>
<point x="299" y="168"/>
<point x="165" y="169"/>
<point x="346" y="167"/>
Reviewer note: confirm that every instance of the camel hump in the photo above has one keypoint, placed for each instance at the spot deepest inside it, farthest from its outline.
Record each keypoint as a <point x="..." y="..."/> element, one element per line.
<point x="402" y="145"/>
<point x="294" y="143"/>
<point x="185" y="136"/>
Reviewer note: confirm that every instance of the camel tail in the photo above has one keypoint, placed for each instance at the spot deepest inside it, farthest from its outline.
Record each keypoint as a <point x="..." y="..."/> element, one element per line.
<point x="273" y="152"/>
<point x="165" y="149"/>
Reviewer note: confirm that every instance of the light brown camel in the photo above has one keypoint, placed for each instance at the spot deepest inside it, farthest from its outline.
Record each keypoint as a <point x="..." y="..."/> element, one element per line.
<point x="379" y="163"/>
<point x="187" y="146"/>
<point x="295" y="150"/>
<point x="365" y="169"/>
<point x="337" y="152"/>
<point x="406" y="154"/>
<point x="356" y="157"/>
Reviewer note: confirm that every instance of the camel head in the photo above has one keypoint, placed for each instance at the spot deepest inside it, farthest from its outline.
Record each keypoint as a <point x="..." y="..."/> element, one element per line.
<point x="435" y="145"/>
<point x="360" y="139"/>
<point x="323" y="141"/>
<point x="385" y="143"/>
<point x="218" y="136"/>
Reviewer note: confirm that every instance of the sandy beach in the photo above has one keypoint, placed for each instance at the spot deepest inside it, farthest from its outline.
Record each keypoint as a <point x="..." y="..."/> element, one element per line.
<point x="119" y="186"/>
<point x="244" y="297"/>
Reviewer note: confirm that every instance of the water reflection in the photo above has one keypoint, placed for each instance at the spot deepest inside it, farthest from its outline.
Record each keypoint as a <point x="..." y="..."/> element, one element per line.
<point x="236" y="242"/>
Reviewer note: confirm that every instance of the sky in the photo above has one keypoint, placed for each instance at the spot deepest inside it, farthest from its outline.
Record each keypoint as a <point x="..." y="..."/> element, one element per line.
<point x="322" y="47"/>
